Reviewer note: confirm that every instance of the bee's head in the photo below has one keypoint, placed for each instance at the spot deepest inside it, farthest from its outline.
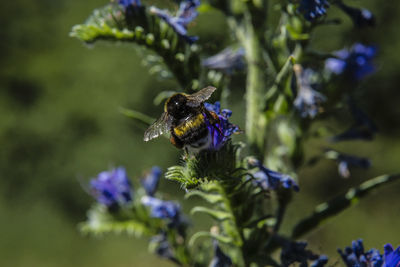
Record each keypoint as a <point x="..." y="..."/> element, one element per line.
<point x="176" y="106"/>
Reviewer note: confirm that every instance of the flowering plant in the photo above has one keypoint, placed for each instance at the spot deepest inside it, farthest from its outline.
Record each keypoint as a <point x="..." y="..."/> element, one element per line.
<point x="250" y="184"/>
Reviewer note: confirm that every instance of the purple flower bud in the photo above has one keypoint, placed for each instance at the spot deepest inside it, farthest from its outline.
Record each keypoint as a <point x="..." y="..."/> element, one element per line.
<point x="150" y="181"/>
<point x="313" y="9"/>
<point x="356" y="256"/>
<point x="361" y="17"/>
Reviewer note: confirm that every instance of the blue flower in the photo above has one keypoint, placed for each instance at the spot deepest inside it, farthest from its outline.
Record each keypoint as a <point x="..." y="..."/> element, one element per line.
<point x="127" y="3"/>
<point x="308" y="101"/>
<point x="296" y="252"/>
<point x="186" y="14"/>
<point x="150" y="182"/>
<point x="355" y="63"/>
<point x="166" y="210"/>
<point x="271" y="180"/>
<point x="227" y="60"/>
<point x="392" y="257"/>
<point x="356" y="256"/>
<point x="112" y="188"/>
<point x="313" y="9"/>
<point x="220" y="258"/>
<point x="362" y="128"/>
<point x="222" y="131"/>
<point x="361" y="17"/>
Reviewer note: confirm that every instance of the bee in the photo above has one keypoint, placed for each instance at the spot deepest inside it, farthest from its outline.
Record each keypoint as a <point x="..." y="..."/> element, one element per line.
<point x="185" y="118"/>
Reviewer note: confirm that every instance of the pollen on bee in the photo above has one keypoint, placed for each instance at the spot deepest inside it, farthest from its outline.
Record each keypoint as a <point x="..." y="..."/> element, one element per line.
<point x="190" y="124"/>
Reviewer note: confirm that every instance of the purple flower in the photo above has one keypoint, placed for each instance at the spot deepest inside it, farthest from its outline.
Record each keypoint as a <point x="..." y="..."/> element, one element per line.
<point x="355" y="63"/>
<point x="362" y="128"/>
<point x="313" y="9"/>
<point x="186" y="14"/>
<point x="392" y="257"/>
<point x="271" y="180"/>
<point x="127" y="3"/>
<point x="308" y="101"/>
<point x="112" y="188"/>
<point x="166" y="210"/>
<point x="296" y="252"/>
<point x="227" y="60"/>
<point x="356" y="256"/>
<point x="361" y="17"/>
<point x="220" y="258"/>
<point x="222" y="131"/>
<point x="150" y="181"/>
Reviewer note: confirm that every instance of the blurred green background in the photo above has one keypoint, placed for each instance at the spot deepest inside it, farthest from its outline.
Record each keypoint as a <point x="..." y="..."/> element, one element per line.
<point x="60" y="125"/>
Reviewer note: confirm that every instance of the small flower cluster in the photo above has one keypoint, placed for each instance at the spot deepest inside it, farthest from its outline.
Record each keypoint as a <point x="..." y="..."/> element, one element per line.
<point x="113" y="189"/>
<point x="356" y="256"/>
<point x="185" y="15"/>
<point x="313" y="9"/>
<point x="355" y="63"/>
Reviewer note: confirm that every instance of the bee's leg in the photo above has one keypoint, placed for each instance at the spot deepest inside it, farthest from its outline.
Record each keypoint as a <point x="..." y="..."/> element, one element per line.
<point x="176" y="142"/>
<point x="214" y="119"/>
<point x="211" y="116"/>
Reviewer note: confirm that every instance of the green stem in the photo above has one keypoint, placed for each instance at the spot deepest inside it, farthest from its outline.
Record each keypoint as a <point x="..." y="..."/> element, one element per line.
<point x="331" y="208"/>
<point x="255" y="123"/>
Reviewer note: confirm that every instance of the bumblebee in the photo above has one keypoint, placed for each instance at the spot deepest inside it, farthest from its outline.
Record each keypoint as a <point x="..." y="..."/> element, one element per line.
<point x="185" y="118"/>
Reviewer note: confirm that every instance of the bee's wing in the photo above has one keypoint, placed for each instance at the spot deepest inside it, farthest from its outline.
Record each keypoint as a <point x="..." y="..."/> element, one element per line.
<point x="158" y="128"/>
<point x="194" y="100"/>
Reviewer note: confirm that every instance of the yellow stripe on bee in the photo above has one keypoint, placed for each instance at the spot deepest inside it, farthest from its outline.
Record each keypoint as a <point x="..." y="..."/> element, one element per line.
<point x="189" y="124"/>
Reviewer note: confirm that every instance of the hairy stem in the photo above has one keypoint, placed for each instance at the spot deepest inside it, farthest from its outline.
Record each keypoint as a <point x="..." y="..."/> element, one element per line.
<point x="333" y="207"/>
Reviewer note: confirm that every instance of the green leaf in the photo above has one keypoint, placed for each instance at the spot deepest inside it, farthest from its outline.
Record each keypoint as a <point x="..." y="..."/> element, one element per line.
<point x="333" y="207"/>
<point x="220" y="238"/>
<point x="210" y="198"/>
<point x="215" y="214"/>
<point x="101" y="222"/>
<point x="138" y="116"/>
